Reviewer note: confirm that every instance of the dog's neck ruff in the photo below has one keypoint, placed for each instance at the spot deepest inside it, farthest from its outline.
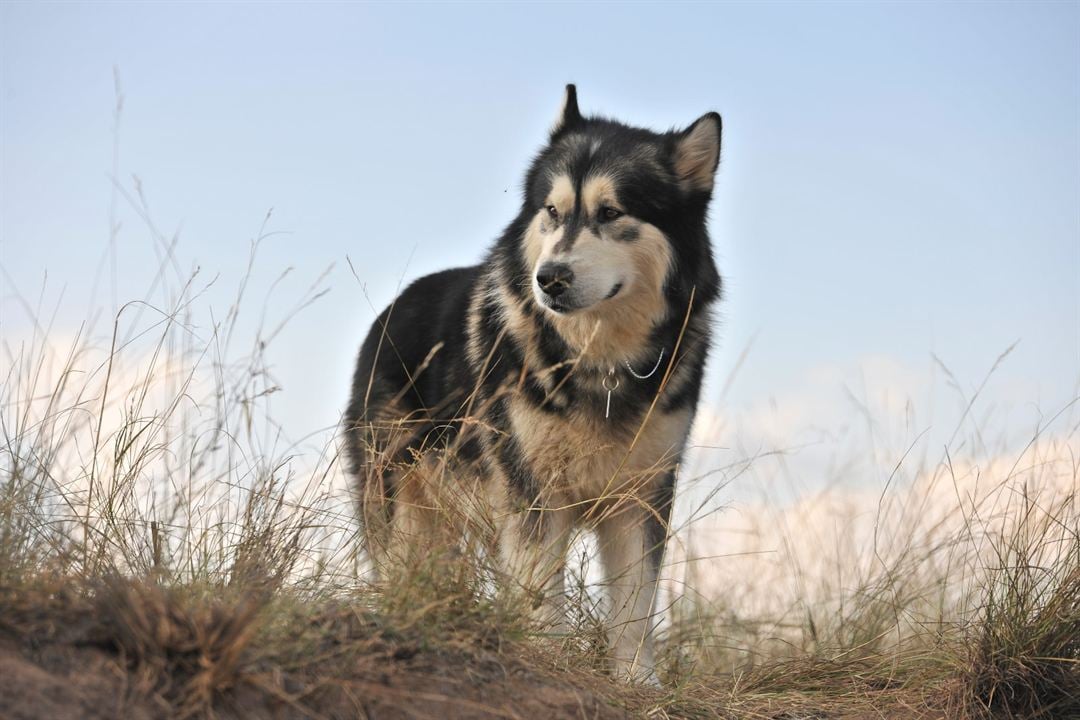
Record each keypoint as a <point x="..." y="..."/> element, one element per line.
<point x="611" y="380"/>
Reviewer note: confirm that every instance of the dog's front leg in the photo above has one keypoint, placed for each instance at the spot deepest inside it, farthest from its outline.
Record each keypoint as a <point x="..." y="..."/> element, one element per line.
<point x="532" y="547"/>
<point x="631" y="578"/>
<point x="632" y="539"/>
<point x="533" y="533"/>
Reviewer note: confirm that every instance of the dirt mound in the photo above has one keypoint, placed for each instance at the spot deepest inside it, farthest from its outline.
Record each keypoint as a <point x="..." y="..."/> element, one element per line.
<point x="138" y="652"/>
<point x="57" y="682"/>
<point x="75" y="683"/>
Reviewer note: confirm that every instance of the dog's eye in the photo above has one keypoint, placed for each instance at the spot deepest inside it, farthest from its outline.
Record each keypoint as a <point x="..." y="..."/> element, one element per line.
<point x="610" y="213"/>
<point x="553" y="212"/>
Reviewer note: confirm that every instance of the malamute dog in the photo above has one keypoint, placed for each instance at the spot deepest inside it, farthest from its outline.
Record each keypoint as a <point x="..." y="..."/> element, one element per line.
<point x="552" y="386"/>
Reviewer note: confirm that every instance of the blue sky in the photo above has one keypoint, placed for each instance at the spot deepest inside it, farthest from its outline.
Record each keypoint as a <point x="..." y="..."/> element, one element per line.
<point x="898" y="180"/>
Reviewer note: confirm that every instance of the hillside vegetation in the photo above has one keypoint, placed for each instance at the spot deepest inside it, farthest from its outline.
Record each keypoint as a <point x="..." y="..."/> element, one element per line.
<point x="166" y="552"/>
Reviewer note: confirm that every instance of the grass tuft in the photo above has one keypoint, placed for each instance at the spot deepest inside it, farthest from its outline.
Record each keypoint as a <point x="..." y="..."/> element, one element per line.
<point x="1024" y="648"/>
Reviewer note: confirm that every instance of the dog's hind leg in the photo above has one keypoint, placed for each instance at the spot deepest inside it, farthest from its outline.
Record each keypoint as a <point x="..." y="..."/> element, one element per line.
<point x="375" y="530"/>
<point x="376" y="445"/>
<point x="425" y="527"/>
<point x="373" y="483"/>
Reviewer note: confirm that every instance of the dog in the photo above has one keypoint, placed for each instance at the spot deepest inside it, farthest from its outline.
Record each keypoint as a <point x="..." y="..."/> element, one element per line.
<point x="551" y="388"/>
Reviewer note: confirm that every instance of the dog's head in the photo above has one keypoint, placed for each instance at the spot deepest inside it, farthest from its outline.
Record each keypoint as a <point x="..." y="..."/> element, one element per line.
<point x="611" y="211"/>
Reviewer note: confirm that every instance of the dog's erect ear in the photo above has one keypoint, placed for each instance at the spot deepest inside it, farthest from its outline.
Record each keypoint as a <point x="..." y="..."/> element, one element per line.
<point x="697" y="153"/>
<point x="569" y="115"/>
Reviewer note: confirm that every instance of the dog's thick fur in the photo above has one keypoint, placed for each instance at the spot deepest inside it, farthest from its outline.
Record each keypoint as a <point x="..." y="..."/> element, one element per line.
<point x="508" y="400"/>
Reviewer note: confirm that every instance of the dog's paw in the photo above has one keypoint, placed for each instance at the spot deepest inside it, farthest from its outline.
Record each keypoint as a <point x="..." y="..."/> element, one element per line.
<point x="637" y="674"/>
<point x="649" y="678"/>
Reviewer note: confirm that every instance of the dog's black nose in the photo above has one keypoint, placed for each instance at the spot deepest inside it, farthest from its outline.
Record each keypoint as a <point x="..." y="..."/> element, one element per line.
<point x="554" y="278"/>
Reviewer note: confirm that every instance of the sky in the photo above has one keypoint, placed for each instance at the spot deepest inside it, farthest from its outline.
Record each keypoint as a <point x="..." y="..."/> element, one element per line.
<point x="899" y="188"/>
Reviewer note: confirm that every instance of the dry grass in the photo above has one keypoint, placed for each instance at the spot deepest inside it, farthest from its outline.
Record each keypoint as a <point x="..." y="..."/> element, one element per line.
<point x="152" y="513"/>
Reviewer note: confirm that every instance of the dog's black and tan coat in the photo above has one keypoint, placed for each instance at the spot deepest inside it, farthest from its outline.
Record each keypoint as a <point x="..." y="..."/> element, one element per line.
<point x="552" y="386"/>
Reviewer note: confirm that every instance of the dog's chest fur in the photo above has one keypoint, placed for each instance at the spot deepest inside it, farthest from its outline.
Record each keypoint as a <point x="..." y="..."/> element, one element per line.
<point x="579" y="459"/>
